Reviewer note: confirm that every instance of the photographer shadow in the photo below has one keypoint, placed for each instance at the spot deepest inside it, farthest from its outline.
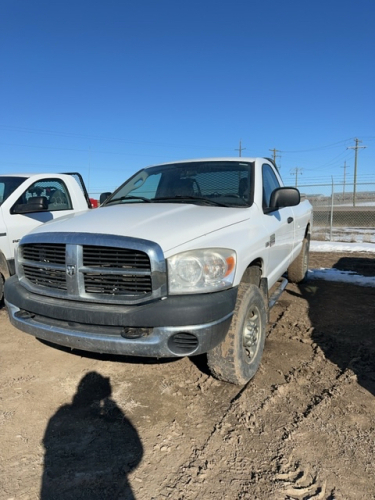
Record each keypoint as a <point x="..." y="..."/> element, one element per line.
<point x="90" y="447"/>
<point x="343" y="319"/>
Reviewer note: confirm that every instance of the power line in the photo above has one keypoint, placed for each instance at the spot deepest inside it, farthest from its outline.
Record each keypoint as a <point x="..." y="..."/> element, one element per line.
<point x="85" y="150"/>
<point x="95" y="137"/>
<point x="318" y="148"/>
<point x="114" y="139"/>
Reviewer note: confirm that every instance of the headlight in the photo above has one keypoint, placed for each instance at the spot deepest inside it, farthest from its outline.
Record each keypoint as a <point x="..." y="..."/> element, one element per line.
<point x="201" y="271"/>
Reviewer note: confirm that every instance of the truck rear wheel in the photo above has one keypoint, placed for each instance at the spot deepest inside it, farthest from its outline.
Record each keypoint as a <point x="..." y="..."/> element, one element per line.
<point x="297" y="270"/>
<point x="237" y="358"/>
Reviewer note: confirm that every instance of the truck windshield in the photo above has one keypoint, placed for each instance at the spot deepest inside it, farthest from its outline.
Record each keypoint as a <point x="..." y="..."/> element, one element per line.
<point x="8" y="185"/>
<point x="224" y="183"/>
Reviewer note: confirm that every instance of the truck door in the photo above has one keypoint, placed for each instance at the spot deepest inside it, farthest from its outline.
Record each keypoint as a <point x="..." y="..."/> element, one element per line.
<point x="20" y="219"/>
<point x="280" y="224"/>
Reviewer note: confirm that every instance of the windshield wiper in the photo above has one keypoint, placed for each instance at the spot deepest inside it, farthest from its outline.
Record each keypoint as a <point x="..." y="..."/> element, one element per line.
<point x="207" y="201"/>
<point x="171" y="199"/>
<point x="147" y="200"/>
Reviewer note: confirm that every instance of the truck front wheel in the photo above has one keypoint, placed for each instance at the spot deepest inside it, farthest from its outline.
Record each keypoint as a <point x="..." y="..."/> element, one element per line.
<point x="237" y="358"/>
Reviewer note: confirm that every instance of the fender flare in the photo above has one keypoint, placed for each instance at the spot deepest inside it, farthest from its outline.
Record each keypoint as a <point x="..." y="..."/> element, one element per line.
<point x="4" y="268"/>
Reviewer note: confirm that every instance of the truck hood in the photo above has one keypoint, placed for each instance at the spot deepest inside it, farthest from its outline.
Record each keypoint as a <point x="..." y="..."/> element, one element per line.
<point x="169" y="225"/>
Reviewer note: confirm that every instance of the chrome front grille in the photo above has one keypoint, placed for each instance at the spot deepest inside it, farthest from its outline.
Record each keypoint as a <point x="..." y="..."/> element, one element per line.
<point x="45" y="253"/>
<point x="44" y="276"/>
<point x="115" y="257"/>
<point x="116" y="285"/>
<point x="91" y="267"/>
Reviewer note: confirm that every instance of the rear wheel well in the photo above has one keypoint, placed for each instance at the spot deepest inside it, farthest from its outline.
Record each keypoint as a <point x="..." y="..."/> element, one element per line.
<point x="4" y="268"/>
<point x="4" y="274"/>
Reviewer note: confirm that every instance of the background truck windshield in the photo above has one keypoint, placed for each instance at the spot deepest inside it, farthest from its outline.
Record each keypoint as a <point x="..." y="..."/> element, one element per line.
<point x="8" y="185"/>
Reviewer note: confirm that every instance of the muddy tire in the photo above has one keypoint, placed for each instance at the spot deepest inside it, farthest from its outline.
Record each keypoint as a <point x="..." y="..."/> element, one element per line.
<point x="297" y="270"/>
<point x="1" y="289"/>
<point x="237" y="358"/>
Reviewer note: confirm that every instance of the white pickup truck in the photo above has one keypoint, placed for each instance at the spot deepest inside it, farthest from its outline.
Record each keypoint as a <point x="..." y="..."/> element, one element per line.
<point x="28" y="200"/>
<point x="182" y="259"/>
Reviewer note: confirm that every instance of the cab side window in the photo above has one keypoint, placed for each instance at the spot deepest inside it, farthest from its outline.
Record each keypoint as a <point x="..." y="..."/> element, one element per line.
<point x="53" y="192"/>
<point x="270" y="183"/>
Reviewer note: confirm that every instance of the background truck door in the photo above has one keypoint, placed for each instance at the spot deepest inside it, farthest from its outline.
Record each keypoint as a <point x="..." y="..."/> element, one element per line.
<point x="20" y="219"/>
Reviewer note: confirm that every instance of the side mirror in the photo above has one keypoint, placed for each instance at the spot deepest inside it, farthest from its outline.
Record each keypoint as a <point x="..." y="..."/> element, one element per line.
<point x="284" y="197"/>
<point x="103" y="197"/>
<point x="34" y="204"/>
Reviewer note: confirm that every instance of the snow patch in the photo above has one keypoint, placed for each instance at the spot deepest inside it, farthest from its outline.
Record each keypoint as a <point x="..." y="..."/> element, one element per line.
<point x="335" y="274"/>
<point x="340" y="246"/>
<point x="341" y="276"/>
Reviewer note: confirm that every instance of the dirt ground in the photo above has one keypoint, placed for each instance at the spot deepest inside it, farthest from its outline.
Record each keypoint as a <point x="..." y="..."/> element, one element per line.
<point x="83" y="426"/>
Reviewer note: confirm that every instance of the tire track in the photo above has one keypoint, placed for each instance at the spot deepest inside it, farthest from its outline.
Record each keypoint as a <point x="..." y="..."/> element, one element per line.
<point x="247" y="414"/>
<point x="270" y="415"/>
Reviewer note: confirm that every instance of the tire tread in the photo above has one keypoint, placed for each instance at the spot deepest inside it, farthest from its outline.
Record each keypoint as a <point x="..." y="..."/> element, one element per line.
<point x="223" y="361"/>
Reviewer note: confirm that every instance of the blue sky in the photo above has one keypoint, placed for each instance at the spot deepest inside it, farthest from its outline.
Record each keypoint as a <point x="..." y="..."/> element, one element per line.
<point x="106" y="88"/>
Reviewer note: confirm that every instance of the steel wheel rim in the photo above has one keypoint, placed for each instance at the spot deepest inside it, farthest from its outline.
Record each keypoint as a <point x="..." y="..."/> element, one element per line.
<point x="251" y="334"/>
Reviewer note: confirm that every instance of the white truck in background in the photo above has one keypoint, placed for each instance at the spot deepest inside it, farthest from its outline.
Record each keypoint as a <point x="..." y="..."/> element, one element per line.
<point x="184" y="258"/>
<point x="28" y="200"/>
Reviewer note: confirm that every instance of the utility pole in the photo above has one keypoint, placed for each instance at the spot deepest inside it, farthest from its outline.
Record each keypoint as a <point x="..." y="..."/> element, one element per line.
<point x="343" y="188"/>
<point x="240" y="149"/>
<point x="274" y="151"/>
<point x="356" y="147"/>
<point x="296" y="172"/>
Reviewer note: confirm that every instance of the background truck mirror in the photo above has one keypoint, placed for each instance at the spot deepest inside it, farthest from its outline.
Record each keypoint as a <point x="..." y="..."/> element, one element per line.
<point x="103" y="197"/>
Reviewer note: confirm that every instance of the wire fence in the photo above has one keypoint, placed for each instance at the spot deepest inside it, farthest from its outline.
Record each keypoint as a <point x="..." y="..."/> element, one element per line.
<point x="342" y="212"/>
